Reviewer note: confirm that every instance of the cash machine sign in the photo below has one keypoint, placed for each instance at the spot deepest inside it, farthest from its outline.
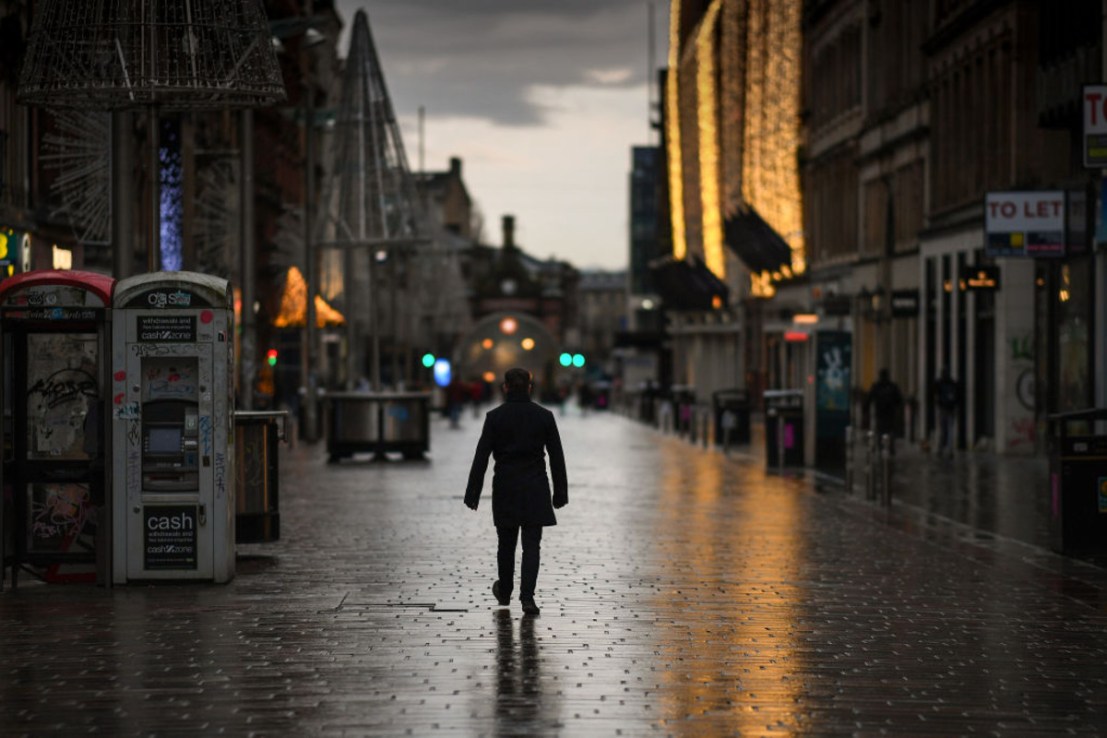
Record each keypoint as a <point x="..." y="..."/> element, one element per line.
<point x="167" y="299"/>
<point x="167" y="328"/>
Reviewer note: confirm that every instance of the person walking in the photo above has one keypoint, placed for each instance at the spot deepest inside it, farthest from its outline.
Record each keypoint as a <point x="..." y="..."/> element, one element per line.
<point x="886" y="406"/>
<point x="947" y="397"/>
<point x="519" y="434"/>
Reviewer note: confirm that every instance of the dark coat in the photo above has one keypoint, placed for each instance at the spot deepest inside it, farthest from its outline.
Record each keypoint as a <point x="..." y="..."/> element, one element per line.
<point x="518" y="434"/>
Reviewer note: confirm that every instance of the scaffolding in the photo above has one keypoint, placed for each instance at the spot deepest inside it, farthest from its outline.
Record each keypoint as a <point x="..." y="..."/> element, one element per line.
<point x="175" y="54"/>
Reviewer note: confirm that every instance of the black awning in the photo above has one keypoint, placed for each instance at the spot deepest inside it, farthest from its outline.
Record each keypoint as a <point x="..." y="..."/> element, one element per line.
<point x="755" y="242"/>
<point x="687" y="284"/>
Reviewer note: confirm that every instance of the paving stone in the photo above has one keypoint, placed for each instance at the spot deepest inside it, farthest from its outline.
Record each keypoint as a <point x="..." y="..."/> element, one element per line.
<point x="684" y="592"/>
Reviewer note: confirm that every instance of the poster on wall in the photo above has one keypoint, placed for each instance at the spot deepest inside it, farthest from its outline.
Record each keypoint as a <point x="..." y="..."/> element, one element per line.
<point x="832" y="373"/>
<point x="62" y="397"/>
<point x="169" y="537"/>
<point x="833" y="362"/>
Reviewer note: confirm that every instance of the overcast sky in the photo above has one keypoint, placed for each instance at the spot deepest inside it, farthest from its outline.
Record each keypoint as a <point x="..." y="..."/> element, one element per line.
<point x="542" y="101"/>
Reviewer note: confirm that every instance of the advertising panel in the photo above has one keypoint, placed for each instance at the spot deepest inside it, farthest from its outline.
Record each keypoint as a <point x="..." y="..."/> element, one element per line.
<point x="1095" y="126"/>
<point x="1028" y="224"/>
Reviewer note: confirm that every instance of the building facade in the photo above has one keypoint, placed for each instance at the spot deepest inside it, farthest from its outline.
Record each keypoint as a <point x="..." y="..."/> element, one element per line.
<point x="916" y="112"/>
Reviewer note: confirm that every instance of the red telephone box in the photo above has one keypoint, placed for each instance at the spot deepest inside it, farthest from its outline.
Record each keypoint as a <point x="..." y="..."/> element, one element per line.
<point x="55" y="520"/>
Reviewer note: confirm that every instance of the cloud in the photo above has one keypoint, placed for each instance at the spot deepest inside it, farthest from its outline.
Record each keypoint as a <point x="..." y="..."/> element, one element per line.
<point x="482" y="58"/>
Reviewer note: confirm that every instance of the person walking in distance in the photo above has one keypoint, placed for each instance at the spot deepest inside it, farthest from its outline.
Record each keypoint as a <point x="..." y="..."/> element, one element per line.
<point x="519" y="434"/>
<point x="947" y="396"/>
<point x="886" y="406"/>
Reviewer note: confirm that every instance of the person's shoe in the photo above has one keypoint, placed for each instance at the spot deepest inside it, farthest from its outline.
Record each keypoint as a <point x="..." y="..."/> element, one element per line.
<point x="529" y="608"/>
<point x="503" y="599"/>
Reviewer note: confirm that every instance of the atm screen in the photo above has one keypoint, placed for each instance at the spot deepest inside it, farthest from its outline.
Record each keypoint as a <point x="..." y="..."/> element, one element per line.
<point x="163" y="440"/>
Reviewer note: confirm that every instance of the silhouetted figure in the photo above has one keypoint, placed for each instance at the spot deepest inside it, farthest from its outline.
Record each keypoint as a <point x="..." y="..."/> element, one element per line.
<point x="518" y="434"/>
<point x="456" y="394"/>
<point x="886" y="406"/>
<point x="947" y="398"/>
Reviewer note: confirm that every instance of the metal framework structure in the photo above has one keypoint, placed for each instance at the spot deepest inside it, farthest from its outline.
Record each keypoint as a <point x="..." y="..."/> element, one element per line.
<point x="175" y="54"/>
<point x="79" y="152"/>
<point x="371" y="215"/>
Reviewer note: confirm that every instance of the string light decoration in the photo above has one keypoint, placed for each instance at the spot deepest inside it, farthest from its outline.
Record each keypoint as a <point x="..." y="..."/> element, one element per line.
<point x="176" y="54"/>
<point x="707" y="111"/>
<point x="739" y="73"/>
<point x="672" y="134"/>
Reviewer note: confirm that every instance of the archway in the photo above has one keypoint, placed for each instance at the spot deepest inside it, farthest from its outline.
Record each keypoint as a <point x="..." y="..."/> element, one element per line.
<point x="504" y="340"/>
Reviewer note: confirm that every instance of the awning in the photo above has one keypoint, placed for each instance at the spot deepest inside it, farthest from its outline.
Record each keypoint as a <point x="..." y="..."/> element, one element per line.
<point x="688" y="285"/>
<point x="755" y="242"/>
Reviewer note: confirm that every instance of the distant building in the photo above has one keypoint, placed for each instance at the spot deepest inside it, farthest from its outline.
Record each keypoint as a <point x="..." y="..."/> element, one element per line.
<point x="447" y="199"/>
<point x="508" y="279"/>
<point x="645" y="246"/>
<point x="602" y="313"/>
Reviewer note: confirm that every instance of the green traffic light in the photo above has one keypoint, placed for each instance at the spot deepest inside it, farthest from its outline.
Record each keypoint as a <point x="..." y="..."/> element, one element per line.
<point x="566" y="359"/>
<point x="428" y="360"/>
<point x="578" y="360"/>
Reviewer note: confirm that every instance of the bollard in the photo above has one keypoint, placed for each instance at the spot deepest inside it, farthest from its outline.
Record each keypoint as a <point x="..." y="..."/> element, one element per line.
<point x="870" y="465"/>
<point x="849" y="459"/>
<point x="886" y="469"/>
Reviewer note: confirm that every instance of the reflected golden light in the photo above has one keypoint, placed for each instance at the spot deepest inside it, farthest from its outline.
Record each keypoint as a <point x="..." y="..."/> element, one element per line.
<point x="486" y="343"/>
<point x="672" y="134"/>
<point x="527" y="344"/>
<point x="745" y="549"/>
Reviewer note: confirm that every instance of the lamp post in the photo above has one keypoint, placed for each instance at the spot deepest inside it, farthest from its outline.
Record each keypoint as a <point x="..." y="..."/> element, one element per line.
<point x="309" y="352"/>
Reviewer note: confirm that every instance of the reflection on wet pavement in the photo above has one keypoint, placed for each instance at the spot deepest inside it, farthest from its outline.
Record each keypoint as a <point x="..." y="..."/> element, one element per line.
<point x="684" y="592"/>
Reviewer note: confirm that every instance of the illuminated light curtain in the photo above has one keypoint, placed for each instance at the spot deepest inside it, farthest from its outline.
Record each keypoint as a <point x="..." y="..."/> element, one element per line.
<point x="770" y="176"/>
<point x="707" y="110"/>
<point x="672" y="134"/>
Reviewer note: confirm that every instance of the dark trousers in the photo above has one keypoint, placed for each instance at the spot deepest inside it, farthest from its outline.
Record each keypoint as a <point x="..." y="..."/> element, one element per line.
<point x="505" y="558"/>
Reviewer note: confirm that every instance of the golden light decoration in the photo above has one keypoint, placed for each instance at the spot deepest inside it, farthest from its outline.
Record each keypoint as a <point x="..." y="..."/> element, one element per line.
<point x="738" y="88"/>
<point x="486" y="344"/>
<point x="508" y="326"/>
<point x="293" y="312"/>
<point x="672" y="134"/>
<point x="489" y="377"/>
<point x="527" y="344"/>
<point x="707" y="111"/>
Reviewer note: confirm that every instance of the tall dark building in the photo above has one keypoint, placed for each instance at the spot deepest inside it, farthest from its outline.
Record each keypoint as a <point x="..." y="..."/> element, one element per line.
<point x="645" y="245"/>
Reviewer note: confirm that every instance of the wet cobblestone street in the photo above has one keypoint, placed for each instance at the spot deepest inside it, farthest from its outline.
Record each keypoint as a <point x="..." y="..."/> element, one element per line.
<point x="684" y="592"/>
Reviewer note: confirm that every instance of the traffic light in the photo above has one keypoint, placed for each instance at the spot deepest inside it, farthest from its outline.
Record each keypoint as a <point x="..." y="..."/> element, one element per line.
<point x="578" y="360"/>
<point x="566" y="359"/>
<point x="271" y="357"/>
<point x="428" y="360"/>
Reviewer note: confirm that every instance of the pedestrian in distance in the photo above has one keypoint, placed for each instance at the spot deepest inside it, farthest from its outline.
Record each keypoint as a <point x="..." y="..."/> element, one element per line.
<point x="456" y="395"/>
<point x="947" y="398"/>
<point x="885" y="406"/>
<point x="518" y="434"/>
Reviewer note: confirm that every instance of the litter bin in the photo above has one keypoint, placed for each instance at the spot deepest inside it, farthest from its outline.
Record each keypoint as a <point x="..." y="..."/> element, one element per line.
<point x="257" y="510"/>
<point x="1078" y="483"/>
<point x="732" y="416"/>
<point x="783" y="428"/>
<point x="377" y="423"/>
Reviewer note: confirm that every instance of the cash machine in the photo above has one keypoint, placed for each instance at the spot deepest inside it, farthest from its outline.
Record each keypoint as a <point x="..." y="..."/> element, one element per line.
<point x="173" y="428"/>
